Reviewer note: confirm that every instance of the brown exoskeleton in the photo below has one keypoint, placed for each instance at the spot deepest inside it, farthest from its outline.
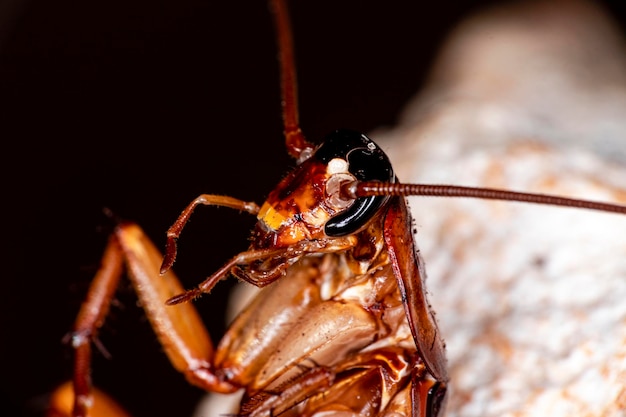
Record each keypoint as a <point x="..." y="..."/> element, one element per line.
<point x="343" y="324"/>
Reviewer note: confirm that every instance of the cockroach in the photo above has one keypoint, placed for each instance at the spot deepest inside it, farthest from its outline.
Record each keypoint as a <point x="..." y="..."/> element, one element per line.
<point x="342" y="324"/>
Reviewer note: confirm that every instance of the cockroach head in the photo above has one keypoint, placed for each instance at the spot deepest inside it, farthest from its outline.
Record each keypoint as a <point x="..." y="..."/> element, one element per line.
<point x="352" y="154"/>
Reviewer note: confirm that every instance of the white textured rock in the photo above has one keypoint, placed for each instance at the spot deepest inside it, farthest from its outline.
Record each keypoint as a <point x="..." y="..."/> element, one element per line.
<point x="531" y="300"/>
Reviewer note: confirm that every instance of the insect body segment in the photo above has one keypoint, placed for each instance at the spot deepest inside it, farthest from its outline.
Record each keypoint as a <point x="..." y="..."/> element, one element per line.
<point x="340" y="310"/>
<point x="351" y="315"/>
<point x="310" y="204"/>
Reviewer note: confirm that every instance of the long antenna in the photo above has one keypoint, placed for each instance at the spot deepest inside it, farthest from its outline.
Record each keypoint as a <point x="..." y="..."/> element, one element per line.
<point x="299" y="148"/>
<point x="296" y="143"/>
<point x="372" y="188"/>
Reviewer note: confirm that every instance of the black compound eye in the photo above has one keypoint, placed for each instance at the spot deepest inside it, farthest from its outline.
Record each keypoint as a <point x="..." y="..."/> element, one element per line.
<point x="367" y="162"/>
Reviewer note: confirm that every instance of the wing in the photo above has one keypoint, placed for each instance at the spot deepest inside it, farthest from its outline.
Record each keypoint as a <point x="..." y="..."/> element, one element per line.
<point x="408" y="267"/>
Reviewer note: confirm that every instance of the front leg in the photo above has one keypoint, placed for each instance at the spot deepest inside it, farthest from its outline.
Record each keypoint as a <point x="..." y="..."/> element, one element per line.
<point x="178" y="328"/>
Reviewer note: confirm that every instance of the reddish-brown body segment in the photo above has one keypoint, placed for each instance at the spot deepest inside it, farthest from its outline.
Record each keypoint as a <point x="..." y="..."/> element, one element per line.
<point x="408" y="267"/>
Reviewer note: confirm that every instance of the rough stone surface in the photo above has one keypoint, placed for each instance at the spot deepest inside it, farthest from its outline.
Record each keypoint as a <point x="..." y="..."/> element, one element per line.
<point x="530" y="299"/>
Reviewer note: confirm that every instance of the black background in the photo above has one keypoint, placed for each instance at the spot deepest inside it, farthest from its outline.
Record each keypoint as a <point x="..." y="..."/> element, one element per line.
<point x="139" y="106"/>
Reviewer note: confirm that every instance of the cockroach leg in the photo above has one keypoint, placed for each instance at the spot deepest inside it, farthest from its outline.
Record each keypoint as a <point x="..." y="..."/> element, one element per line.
<point x="173" y="233"/>
<point x="243" y="258"/>
<point x="311" y="382"/>
<point x="178" y="328"/>
<point x="259" y="277"/>
<point x="90" y="318"/>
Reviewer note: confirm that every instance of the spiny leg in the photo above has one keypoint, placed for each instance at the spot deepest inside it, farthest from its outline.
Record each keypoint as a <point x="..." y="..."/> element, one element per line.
<point x="258" y="279"/>
<point x="386" y="381"/>
<point x="90" y="318"/>
<point x="281" y="257"/>
<point x="207" y="285"/>
<point x="310" y="382"/>
<point x="173" y="233"/>
<point x="178" y="328"/>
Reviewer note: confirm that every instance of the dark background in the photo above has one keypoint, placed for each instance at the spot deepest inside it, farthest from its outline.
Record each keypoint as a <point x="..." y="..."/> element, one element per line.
<point x="139" y="106"/>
